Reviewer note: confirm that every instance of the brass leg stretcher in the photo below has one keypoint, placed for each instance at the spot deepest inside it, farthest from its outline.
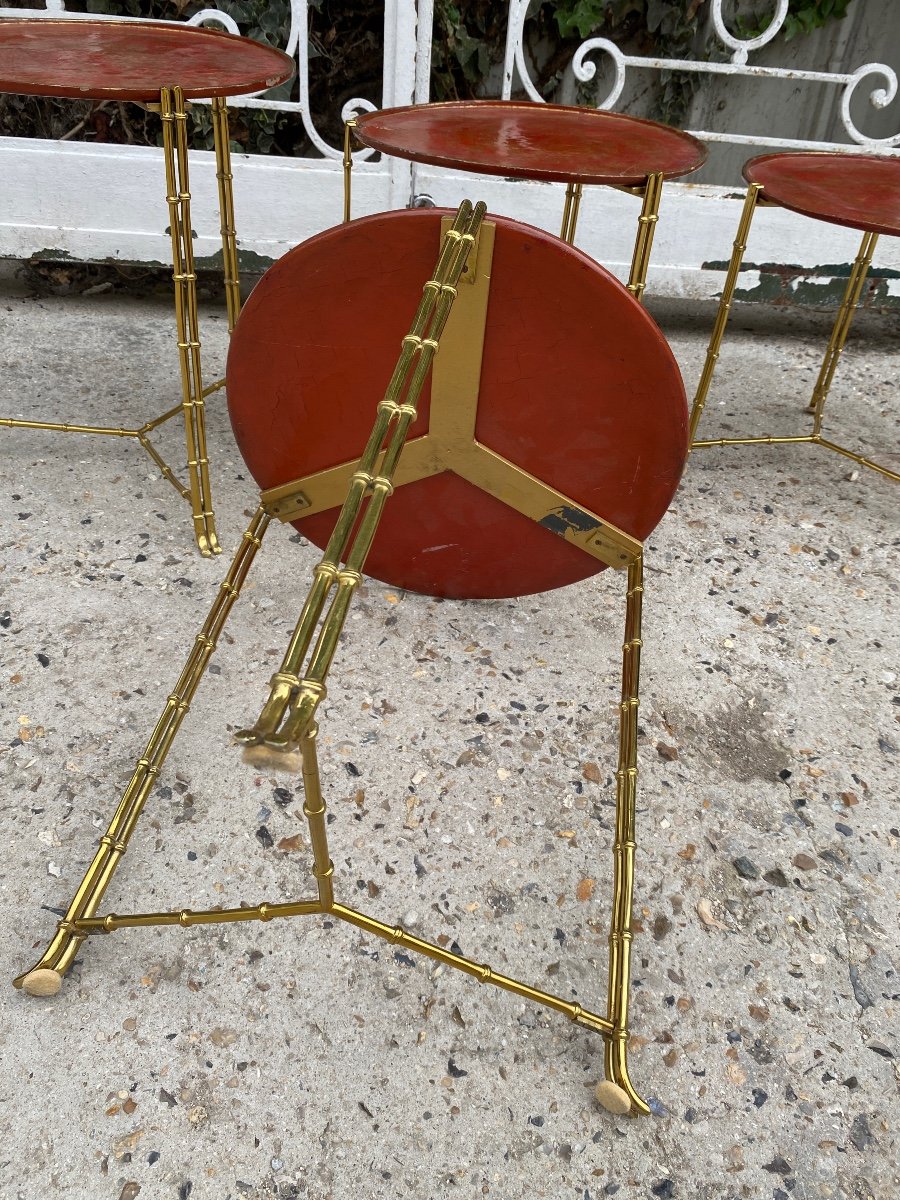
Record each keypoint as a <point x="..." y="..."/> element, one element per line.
<point x="840" y="330"/>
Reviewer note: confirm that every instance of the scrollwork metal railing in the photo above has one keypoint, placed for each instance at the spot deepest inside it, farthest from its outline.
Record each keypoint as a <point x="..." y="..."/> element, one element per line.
<point x="881" y="78"/>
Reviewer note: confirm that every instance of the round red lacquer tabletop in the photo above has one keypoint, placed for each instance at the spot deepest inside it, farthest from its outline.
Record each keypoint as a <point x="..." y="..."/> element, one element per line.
<point x="533" y="141"/>
<point x="124" y="60"/>
<point x="578" y="387"/>
<point x="861" y="191"/>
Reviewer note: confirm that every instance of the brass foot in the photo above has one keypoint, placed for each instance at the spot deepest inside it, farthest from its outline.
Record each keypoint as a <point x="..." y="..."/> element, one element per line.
<point x="617" y="1093"/>
<point x="265" y="757"/>
<point x="208" y="543"/>
<point x="42" y="982"/>
<point x="613" y="1098"/>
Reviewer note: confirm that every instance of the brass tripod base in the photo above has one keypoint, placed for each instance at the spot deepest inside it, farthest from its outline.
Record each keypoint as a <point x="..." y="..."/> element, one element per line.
<point x="616" y="1093"/>
<point x="80" y="921"/>
<point x="204" y="522"/>
<point x="755" y="199"/>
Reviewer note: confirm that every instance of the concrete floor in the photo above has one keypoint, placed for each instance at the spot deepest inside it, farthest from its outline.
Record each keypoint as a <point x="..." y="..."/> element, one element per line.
<point x="468" y="753"/>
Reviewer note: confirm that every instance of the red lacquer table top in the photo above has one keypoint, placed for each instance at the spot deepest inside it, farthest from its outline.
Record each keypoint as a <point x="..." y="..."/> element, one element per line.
<point x="533" y="141"/>
<point x="578" y="387"/>
<point x="123" y="60"/>
<point x="861" y="191"/>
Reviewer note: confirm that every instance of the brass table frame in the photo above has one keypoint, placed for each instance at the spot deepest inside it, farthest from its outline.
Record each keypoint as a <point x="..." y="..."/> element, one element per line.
<point x="756" y="199"/>
<point x="287" y="721"/>
<point x="650" y="193"/>
<point x="173" y="111"/>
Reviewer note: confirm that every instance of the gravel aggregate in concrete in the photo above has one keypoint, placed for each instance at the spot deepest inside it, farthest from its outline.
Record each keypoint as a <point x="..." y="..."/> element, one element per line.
<point x="468" y="751"/>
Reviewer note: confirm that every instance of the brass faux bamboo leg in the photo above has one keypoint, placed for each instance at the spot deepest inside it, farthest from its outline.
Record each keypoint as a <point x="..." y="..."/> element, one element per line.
<point x="288" y="694"/>
<point x="178" y="196"/>
<point x="175" y="151"/>
<point x="620" y="934"/>
<point x="841" y="328"/>
<point x="314" y="811"/>
<point x="226" y="211"/>
<point x="62" y="949"/>
<point x="715" y="341"/>
<point x="349" y="126"/>
<point x="378" y="486"/>
<point x="839" y="333"/>
<point x="637" y="277"/>
<point x="570" y="212"/>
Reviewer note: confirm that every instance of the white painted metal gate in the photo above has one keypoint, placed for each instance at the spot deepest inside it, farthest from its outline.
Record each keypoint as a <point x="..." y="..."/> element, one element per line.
<point x="92" y="201"/>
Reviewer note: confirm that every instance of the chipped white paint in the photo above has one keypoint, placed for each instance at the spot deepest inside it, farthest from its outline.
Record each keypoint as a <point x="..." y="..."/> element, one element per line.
<point x="697" y="226"/>
<point x="742" y="47"/>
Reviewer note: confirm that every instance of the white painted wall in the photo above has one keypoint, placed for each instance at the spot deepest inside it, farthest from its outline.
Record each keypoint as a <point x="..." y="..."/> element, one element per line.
<point x="108" y="202"/>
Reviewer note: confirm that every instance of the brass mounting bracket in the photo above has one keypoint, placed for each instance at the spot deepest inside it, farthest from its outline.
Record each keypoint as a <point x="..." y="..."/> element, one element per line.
<point x="451" y="445"/>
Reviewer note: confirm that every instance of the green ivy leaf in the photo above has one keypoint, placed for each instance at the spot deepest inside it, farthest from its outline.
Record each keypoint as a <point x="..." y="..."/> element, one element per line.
<point x="806" y="15"/>
<point x="581" y="17"/>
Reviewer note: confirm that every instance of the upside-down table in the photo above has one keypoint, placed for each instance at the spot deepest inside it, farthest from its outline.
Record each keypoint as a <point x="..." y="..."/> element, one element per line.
<point x="544" y="445"/>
